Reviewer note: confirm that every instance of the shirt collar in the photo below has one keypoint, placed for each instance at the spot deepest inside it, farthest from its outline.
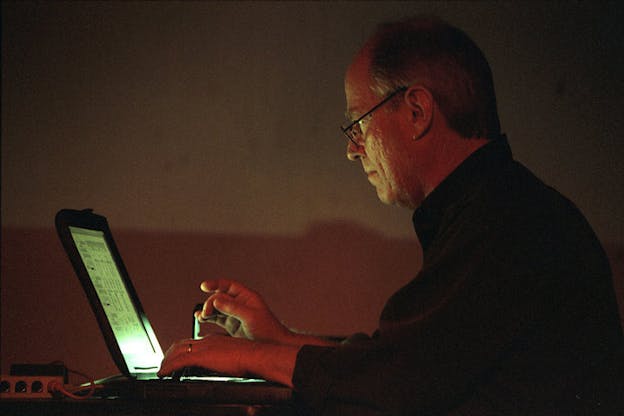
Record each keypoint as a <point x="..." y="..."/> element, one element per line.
<point x="484" y="163"/>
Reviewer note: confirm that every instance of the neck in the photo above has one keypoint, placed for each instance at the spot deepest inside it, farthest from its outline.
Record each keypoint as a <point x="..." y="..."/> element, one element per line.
<point x="447" y="153"/>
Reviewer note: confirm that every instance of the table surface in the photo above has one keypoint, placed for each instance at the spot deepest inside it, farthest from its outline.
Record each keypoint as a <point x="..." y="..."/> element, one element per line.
<point x="96" y="407"/>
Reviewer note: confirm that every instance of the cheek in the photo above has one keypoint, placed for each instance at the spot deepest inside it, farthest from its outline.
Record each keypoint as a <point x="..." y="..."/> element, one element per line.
<point x="377" y="155"/>
<point x="384" y="161"/>
<point x="385" y="157"/>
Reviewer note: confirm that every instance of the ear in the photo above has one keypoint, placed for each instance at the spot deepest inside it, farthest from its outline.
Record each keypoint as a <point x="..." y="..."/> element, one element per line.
<point x="420" y="102"/>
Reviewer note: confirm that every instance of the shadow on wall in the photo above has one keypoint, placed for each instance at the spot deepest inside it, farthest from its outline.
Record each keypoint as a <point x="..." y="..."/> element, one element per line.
<point x="334" y="280"/>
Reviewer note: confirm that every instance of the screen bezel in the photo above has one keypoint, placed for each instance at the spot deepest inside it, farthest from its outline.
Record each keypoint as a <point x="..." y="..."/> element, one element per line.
<point x="86" y="219"/>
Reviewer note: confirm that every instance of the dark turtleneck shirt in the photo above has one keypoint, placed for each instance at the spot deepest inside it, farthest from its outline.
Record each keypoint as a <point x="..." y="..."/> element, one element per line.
<point x="512" y="313"/>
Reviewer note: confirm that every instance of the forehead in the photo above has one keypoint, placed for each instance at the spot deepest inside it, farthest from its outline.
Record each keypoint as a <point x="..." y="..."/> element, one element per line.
<point x="358" y="83"/>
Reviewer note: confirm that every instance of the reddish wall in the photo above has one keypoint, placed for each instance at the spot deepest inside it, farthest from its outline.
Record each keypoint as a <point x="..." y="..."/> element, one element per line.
<point x="332" y="280"/>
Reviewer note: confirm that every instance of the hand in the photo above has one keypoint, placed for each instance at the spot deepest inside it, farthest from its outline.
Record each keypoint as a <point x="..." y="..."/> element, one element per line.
<point x="243" y="313"/>
<point x="219" y="353"/>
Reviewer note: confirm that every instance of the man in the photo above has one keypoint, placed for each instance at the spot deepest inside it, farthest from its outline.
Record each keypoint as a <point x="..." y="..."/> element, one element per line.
<point x="513" y="311"/>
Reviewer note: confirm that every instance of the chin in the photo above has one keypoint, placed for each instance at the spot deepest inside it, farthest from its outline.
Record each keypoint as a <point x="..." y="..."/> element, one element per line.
<point x="387" y="199"/>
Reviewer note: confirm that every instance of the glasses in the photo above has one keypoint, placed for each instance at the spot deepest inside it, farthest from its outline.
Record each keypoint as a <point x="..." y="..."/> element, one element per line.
<point x="354" y="130"/>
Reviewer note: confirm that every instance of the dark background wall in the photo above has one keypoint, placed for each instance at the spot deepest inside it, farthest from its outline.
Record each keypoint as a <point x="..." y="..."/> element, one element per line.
<point x="207" y="134"/>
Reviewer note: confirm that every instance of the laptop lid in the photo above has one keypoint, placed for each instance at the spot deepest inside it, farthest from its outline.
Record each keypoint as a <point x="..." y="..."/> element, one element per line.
<point x="128" y="334"/>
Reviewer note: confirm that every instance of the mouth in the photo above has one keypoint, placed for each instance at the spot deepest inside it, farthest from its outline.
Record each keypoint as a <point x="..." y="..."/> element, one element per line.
<point x="371" y="175"/>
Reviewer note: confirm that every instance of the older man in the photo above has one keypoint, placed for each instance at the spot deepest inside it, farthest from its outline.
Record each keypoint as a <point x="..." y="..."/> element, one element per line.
<point x="513" y="311"/>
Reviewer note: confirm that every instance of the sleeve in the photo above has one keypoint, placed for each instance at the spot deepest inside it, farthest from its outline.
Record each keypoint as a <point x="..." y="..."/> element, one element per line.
<point x="421" y="356"/>
<point x="390" y="375"/>
<point x="489" y="303"/>
<point x="340" y="380"/>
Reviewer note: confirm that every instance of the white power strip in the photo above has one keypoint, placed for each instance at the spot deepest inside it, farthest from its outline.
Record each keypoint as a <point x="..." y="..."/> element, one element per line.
<point x="28" y="387"/>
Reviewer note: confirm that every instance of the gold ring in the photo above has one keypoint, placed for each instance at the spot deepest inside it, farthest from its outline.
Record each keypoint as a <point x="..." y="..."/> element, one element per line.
<point x="189" y="348"/>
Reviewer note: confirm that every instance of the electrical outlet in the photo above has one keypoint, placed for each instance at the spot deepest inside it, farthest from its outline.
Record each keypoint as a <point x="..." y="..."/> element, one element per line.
<point x="28" y="387"/>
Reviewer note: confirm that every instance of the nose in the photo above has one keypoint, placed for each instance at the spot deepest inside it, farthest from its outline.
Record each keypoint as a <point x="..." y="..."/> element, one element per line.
<point x="354" y="151"/>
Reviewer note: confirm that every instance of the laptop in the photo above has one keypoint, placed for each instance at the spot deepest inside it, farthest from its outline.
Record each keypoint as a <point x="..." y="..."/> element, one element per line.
<point x="129" y="336"/>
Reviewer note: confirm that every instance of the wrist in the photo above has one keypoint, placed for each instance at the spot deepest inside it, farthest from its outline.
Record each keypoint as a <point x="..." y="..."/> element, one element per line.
<point x="274" y="362"/>
<point x="299" y="340"/>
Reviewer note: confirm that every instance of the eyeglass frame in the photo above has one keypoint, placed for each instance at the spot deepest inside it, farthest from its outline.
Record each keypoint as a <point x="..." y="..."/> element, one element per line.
<point x="349" y="129"/>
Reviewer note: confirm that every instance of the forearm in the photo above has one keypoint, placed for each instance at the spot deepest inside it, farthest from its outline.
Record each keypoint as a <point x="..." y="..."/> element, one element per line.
<point x="299" y="339"/>
<point x="275" y="362"/>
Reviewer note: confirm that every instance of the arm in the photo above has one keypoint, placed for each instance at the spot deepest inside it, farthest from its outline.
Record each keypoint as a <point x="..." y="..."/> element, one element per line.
<point x="234" y="356"/>
<point x="259" y="344"/>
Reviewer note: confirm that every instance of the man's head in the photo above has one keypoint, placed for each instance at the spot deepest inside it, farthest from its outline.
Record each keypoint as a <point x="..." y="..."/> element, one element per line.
<point x="442" y="107"/>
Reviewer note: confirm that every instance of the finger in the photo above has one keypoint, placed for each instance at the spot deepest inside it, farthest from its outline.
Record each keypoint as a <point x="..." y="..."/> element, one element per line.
<point x="175" y="357"/>
<point x="228" y="318"/>
<point x="216" y="285"/>
<point x="226" y="322"/>
<point x="209" y="312"/>
<point x="228" y="306"/>
<point x="179" y="347"/>
<point x="231" y="287"/>
<point x="210" y="318"/>
<point x="217" y="316"/>
<point x="231" y="325"/>
<point x="208" y="308"/>
<point x="168" y="366"/>
<point x="205" y="319"/>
